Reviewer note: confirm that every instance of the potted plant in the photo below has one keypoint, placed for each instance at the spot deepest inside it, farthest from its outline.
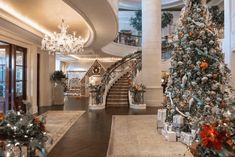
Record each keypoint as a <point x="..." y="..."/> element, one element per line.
<point x="59" y="80"/>
<point x="137" y="91"/>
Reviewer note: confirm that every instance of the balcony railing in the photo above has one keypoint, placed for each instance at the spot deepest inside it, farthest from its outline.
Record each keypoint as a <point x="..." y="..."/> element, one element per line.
<point x="128" y="39"/>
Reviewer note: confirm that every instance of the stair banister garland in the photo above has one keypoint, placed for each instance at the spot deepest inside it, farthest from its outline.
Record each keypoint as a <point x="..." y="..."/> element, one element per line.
<point x="107" y="75"/>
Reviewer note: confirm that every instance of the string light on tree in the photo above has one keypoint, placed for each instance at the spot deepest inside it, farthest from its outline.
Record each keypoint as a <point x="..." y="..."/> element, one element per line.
<point x="199" y="84"/>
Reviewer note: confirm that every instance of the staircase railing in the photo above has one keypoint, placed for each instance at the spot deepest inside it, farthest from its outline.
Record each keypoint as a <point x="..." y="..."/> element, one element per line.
<point x="118" y="67"/>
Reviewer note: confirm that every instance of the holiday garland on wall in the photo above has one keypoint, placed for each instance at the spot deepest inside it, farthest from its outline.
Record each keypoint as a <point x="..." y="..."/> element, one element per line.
<point x="198" y="87"/>
<point x="136" y="21"/>
<point x="167" y="19"/>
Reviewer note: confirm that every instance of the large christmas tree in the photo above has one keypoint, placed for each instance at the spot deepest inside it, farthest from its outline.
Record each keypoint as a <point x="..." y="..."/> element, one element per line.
<point x="198" y="87"/>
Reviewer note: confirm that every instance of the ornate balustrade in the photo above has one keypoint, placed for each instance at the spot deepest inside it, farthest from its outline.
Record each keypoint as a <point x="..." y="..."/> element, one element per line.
<point x="113" y="73"/>
<point x="128" y="39"/>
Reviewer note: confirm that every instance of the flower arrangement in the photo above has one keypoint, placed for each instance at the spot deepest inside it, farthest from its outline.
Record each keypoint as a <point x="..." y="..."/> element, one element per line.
<point x="137" y="91"/>
<point x="20" y="130"/>
<point x="214" y="140"/>
<point x="137" y="87"/>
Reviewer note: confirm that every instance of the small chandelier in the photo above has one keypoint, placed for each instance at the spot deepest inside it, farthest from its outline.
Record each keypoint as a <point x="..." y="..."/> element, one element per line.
<point x="62" y="42"/>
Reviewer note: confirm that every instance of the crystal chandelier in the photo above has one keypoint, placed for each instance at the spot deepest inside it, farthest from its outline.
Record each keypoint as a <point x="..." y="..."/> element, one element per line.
<point x="62" y="42"/>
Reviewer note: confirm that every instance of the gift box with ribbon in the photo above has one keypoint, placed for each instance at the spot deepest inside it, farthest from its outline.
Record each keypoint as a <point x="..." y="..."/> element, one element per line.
<point x="178" y="121"/>
<point x="161" y="118"/>
<point x="186" y="138"/>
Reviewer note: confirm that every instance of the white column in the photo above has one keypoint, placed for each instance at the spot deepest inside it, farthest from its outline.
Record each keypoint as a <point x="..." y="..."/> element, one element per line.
<point x="32" y="77"/>
<point x="227" y="31"/>
<point x="229" y="35"/>
<point x="151" y="51"/>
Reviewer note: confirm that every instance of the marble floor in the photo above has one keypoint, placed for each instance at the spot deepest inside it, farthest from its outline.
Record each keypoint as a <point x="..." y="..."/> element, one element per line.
<point x="89" y="136"/>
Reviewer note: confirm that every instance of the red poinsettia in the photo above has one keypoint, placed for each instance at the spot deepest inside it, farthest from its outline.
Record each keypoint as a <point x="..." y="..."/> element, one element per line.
<point x="211" y="138"/>
<point x="37" y="121"/>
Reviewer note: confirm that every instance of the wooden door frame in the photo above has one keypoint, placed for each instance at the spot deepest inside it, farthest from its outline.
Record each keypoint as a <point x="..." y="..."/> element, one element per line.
<point x="11" y="73"/>
<point x="38" y="81"/>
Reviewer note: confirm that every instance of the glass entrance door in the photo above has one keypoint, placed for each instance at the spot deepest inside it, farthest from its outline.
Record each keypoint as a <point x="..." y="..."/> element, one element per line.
<point x="19" y="77"/>
<point x="12" y="76"/>
<point x="4" y="77"/>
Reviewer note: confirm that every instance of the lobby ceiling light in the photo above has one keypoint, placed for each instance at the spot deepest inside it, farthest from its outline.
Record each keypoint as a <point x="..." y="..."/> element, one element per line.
<point x="63" y="42"/>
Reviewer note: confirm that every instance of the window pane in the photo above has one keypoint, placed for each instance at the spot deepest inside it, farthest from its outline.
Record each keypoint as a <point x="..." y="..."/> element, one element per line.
<point x="19" y="58"/>
<point x="2" y="89"/>
<point x="19" y="88"/>
<point x="19" y="73"/>
<point x="2" y="73"/>
<point x="2" y="56"/>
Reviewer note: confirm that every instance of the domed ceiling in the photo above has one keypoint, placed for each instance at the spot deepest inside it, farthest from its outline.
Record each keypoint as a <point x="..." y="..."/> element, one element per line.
<point x="47" y="14"/>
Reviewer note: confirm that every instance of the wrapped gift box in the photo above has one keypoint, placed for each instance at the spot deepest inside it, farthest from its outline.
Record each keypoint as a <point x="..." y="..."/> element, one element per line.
<point x="163" y="132"/>
<point x="186" y="138"/>
<point x="161" y="115"/>
<point x="178" y="131"/>
<point x="171" y="136"/>
<point x="168" y="133"/>
<point x="161" y="118"/>
<point x="178" y="121"/>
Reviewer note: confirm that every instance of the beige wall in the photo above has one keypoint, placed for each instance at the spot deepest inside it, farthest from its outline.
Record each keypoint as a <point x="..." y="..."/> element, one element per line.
<point x="47" y="67"/>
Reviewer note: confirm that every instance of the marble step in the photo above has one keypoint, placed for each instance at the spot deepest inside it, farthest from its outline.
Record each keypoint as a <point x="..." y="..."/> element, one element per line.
<point x="121" y="84"/>
<point x="117" y="100"/>
<point x="117" y="96"/>
<point x="123" y="81"/>
<point x="109" y="103"/>
<point x="117" y="105"/>
<point x="119" y="89"/>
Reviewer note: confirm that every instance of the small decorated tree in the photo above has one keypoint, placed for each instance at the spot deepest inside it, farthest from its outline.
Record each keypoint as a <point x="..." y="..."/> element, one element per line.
<point x="198" y="87"/>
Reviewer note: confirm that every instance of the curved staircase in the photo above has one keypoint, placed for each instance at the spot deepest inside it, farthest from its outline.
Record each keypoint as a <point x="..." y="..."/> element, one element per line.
<point x="118" y="93"/>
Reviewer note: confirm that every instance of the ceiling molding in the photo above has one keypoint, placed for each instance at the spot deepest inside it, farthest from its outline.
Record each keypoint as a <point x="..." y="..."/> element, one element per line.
<point x="14" y="12"/>
<point x="95" y="13"/>
<point x="11" y="31"/>
<point x="19" y="23"/>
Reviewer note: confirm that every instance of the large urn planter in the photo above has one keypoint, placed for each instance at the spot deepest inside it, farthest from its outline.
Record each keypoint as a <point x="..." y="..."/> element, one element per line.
<point x="58" y="78"/>
<point x="95" y="98"/>
<point x="58" y="94"/>
<point x="137" y="99"/>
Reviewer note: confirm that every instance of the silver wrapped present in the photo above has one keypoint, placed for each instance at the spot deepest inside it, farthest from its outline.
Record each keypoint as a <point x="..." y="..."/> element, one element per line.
<point x="161" y="117"/>
<point x="186" y="138"/>
<point x="178" y="121"/>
